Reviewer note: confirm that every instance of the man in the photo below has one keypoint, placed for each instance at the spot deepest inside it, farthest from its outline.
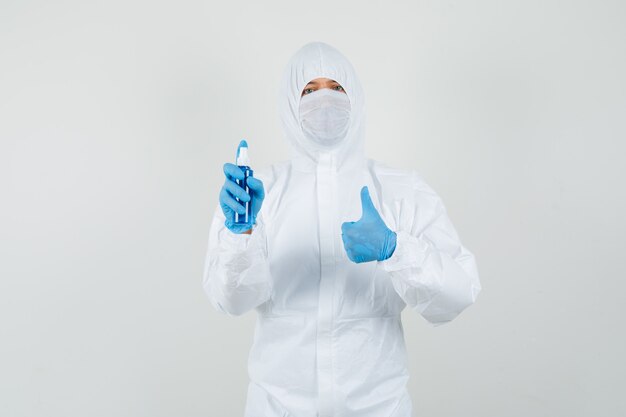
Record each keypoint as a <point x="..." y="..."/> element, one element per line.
<point x="329" y="290"/>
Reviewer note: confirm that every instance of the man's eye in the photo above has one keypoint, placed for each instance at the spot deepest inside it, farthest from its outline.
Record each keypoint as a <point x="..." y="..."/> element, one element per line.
<point x="339" y="88"/>
<point x="307" y="91"/>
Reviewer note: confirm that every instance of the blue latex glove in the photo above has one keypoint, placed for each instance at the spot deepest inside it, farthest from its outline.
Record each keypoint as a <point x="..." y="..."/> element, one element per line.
<point x="369" y="239"/>
<point x="231" y="189"/>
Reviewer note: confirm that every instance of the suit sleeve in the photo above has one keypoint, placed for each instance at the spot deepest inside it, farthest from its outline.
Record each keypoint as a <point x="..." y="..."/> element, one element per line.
<point x="430" y="268"/>
<point x="236" y="272"/>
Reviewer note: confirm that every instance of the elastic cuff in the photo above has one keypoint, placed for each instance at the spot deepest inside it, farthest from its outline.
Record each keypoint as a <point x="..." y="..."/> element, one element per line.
<point x="410" y="252"/>
<point x="234" y="240"/>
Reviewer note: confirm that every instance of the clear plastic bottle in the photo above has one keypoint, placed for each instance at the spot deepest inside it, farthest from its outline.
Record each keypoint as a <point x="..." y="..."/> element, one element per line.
<point x="243" y="162"/>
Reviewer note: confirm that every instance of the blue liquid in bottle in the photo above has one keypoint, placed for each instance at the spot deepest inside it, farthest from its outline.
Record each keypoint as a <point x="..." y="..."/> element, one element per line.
<point x="243" y="162"/>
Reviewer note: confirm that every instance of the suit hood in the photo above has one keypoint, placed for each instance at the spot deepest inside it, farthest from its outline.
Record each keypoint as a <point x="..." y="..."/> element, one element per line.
<point x="317" y="60"/>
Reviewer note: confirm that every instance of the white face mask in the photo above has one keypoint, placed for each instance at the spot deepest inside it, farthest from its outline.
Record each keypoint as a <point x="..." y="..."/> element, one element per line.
<point x="325" y="116"/>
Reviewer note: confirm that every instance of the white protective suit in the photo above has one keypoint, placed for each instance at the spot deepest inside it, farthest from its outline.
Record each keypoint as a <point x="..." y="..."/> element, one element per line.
<point x="329" y="339"/>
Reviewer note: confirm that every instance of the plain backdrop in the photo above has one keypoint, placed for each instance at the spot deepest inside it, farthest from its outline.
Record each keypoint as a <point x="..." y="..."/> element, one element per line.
<point x="117" y="116"/>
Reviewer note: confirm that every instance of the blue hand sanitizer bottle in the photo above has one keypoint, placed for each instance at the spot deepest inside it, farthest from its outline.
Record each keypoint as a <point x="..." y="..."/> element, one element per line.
<point x="243" y="161"/>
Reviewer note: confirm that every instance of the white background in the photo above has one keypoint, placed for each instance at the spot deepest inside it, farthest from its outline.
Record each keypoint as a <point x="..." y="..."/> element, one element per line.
<point x="117" y="116"/>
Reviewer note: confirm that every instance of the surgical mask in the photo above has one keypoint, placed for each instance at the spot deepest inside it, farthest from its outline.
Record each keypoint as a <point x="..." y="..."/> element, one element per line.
<point x="325" y="116"/>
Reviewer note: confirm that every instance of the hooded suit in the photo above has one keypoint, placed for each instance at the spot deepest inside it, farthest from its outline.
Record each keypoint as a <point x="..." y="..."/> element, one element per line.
<point x="329" y="339"/>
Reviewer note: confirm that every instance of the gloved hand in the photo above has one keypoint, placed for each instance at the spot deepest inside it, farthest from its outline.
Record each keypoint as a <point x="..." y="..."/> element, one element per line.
<point x="368" y="239"/>
<point x="231" y="189"/>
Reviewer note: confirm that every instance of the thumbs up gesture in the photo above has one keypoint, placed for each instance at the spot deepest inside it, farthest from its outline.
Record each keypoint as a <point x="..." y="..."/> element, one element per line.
<point x="368" y="239"/>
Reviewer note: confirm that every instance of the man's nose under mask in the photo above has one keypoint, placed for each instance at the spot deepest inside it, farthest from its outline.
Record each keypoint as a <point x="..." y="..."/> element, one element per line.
<point x="325" y="116"/>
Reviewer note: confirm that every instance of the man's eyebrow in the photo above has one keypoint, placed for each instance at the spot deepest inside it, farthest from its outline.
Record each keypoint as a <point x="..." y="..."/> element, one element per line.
<point x="315" y="82"/>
